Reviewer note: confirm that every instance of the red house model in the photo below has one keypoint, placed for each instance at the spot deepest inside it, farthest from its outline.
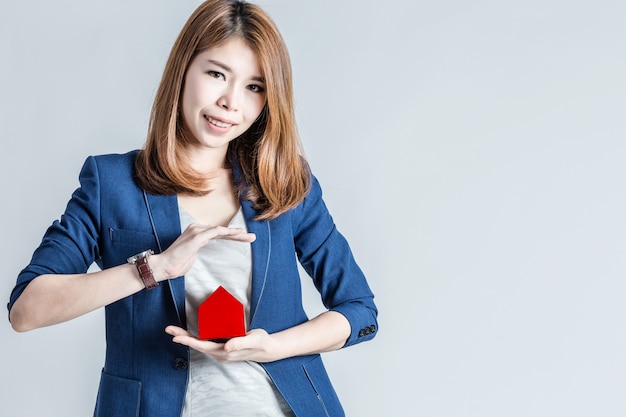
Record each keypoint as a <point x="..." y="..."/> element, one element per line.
<point x="221" y="317"/>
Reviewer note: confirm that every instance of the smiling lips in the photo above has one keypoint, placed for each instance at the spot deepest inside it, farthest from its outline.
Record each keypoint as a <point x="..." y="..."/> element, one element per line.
<point x="218" y="123"/>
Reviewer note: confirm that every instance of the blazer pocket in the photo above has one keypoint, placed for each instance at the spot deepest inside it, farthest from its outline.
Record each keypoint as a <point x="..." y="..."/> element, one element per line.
<point x="317" y="376"/>
<point x="118" y="397"/>
<point x="132" y="238"/>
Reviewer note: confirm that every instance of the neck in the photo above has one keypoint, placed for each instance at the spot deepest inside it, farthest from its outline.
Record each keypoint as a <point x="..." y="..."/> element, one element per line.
<point x="206" y="161"/>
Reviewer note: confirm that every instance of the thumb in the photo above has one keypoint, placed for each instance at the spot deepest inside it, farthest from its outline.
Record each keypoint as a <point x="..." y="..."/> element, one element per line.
<point x="252" y="340"/>
<point x="236" y="343"/>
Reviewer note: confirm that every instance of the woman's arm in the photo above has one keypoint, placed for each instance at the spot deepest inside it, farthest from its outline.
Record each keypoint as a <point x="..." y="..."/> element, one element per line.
<point x="52" y="299"/>
<point x="326" y="332"/>
<point x="55" y="298"/>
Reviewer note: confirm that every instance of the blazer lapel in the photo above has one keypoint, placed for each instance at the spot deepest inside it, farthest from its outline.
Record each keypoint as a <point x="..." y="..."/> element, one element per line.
<point x="261" y="249"/>
<point x="165" y="220"/>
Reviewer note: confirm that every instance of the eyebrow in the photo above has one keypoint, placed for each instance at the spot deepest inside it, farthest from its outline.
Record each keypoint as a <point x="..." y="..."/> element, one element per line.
<point x="228" y="69"/>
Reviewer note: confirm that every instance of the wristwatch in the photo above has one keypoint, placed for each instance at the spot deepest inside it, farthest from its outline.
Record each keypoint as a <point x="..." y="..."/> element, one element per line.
<point x="145" y="272"/>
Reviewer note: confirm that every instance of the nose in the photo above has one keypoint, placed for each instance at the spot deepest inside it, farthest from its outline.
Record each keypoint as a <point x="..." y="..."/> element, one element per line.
<point x="229" y="100"/>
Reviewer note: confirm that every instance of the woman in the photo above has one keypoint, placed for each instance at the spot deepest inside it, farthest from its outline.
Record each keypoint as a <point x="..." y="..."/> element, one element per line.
<point x="222" y="164"/>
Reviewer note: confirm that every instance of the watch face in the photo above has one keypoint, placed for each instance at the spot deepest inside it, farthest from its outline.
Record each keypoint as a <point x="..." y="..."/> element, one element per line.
<point x="143" y="254"/>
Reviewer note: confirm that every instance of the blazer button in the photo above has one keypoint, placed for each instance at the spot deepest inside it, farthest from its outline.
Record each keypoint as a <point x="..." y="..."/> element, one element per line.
<point x="180" y="364"/>
<point x="372" y="328"/>
<point x="361" y="333"/>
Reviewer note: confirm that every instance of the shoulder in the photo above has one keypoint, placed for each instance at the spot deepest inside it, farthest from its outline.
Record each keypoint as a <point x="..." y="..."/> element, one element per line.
<point x="109" y="170"/>
<point x="312" y="198"/>
<point x="311" y="213"/>
<point x="122" y="164"/>
<point x="115" y="161"/>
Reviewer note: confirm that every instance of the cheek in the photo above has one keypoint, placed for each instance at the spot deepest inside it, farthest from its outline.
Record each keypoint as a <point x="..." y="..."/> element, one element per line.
<point x="191" y="99"/>
<point x="185" y="108"/>
<point x="189" y="111"/>
<point x="189" y="95"/>
<point x="256" y="106"/>
<point x="194" y="87"/>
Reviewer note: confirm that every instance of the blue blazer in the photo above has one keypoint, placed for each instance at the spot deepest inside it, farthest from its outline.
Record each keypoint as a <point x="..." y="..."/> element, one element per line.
<point x="109" y="218"/>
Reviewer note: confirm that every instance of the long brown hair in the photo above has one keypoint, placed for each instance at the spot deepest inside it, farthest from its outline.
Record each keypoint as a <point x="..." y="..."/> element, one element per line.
<point x="274" y="173"/>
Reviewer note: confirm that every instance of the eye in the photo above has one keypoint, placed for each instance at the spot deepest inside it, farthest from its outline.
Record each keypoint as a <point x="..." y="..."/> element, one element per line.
<point x="256" y="88"/>
<point x="216" y="74"/>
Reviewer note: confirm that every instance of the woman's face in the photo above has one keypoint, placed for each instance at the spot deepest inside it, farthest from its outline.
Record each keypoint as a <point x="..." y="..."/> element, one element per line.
<point x="224" y="93"/>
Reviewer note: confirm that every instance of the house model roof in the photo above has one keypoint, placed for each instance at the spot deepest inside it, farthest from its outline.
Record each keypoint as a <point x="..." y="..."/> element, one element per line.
<point x="221" y="317"/>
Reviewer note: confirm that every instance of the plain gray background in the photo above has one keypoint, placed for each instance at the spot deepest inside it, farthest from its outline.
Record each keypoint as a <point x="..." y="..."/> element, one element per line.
<point x="472" y="152"/>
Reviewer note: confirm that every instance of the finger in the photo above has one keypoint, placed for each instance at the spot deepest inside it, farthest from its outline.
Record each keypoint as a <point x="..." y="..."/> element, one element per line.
<point x="177" y="331"/>
<point x="190" y="341"/>
<point x="221" y="232"/>
<point x="230" y="231"/>
<point x="180" y="335"/>
<point x="243" y="237"/>
<point x="183" y="337"/>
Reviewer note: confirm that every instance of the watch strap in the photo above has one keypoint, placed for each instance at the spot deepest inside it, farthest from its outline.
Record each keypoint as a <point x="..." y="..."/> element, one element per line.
<point x="145" y="272"/>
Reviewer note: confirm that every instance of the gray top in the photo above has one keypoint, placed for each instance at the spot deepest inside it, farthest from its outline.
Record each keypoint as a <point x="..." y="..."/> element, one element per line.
<point x="224" y="389"/>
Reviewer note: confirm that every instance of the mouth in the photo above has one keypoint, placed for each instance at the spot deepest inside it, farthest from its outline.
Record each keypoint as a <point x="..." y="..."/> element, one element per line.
<point x="218" y="123"/>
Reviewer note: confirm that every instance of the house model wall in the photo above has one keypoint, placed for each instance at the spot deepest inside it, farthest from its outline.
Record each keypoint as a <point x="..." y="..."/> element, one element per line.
<point x="221" y="317"/>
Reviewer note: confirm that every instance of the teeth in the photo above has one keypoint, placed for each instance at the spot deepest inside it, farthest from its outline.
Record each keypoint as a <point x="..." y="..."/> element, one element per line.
<point x="218" y="123"/>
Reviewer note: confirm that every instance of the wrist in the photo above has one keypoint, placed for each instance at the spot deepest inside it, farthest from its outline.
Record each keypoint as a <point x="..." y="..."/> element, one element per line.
<point x="158" y="269"/>
<point x="279" y="346"/>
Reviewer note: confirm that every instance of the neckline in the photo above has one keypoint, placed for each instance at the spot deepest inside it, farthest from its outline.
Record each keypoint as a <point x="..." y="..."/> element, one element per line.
<point x="238" y="214"/>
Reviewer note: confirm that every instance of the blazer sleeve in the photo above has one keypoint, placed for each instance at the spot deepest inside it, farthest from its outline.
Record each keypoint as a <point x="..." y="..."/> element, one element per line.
<point x="326" y="256"/>
<point x="70" y="245"/>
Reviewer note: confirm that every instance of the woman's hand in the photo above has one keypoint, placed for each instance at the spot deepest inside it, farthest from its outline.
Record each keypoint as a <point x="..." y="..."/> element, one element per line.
<point x="176" y="260"/>
<point x="257" y="345"/>
<point x="326" y="332"/>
